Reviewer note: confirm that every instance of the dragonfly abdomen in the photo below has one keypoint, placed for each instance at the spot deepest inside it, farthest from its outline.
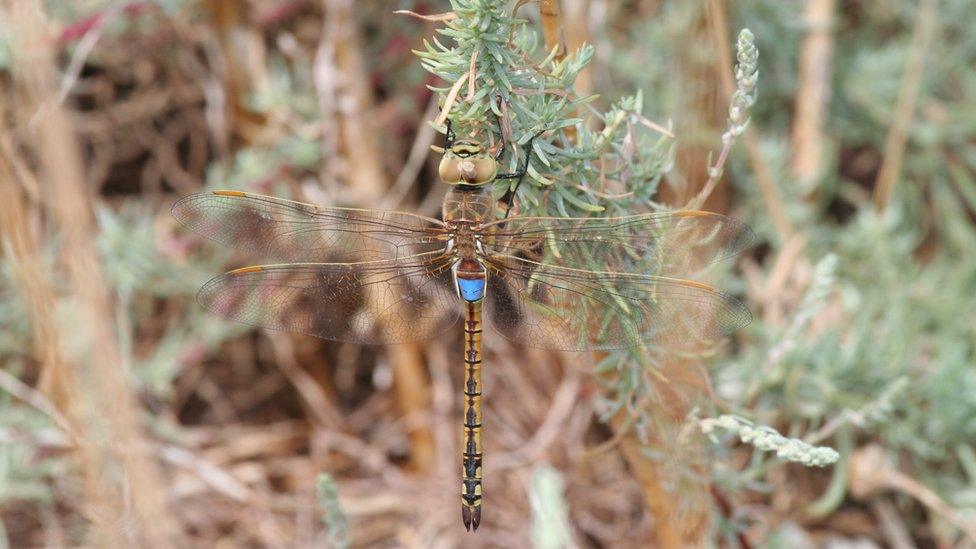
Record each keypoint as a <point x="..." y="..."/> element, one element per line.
<point x="470" y="277"/>
<point x="471" y="456"/>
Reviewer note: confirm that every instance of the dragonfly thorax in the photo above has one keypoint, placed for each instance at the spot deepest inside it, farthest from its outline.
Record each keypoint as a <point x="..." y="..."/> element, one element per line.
<point x="468" y="205"/>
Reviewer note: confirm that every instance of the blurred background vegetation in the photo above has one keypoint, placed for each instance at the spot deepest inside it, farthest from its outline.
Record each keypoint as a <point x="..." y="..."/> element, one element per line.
<point x="129" y="417"/>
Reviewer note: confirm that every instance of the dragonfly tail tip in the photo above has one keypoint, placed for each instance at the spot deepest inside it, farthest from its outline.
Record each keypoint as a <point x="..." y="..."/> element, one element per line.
<point x="471" y="516"/>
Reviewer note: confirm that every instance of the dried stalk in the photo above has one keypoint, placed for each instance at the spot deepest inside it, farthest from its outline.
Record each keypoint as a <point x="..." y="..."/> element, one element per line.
<point x="317" y="401"/>
<point x="552" y="32"/>
<point x="419" y="154"/>
<point x="450" y="99"/>
<point x="925" y="23"/>
<point x="658" y="501"/>
<point x="229" y="19"/>
<point x="29" y="272"/>
<point x="679" y="520"/>
<point x="101" y="407"/>
<point x="577" y="16"/>
<point x="326" y="89"/>
<point x="552" y="27"/>
<point x="359" y="139"/>
<point x="360" y="143"/>
<point x="871" y="472"/>
<point x="412" y="389"/>
<point x="439" y="17"/>
<point x="891" y="525"/>
<point x="813" y="93"/>
<point x="768" y="188"/>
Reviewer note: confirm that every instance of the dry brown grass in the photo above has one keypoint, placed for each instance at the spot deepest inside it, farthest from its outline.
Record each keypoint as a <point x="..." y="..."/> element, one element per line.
<point x="123" y="494"/>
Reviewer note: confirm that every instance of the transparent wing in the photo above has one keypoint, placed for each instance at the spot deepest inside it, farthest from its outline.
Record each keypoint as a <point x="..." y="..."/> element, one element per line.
<point x="378" y="302"/>
<point x="575" y="310"/>
<point x="677" y="244"/>
<point x="283" y="230"/>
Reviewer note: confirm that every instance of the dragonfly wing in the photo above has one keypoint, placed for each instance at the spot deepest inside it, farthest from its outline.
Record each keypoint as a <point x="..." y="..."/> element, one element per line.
<point x="379" y="302"/>
<point x="554" y="307"/>
<point x="287" y="231"/>
<point x="677" y="244"/>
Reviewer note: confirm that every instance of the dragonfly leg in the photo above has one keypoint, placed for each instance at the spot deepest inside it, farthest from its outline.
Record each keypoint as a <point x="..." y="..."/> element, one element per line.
<point x="502" y="131"/>
<point x="449" y="135"/>
<point x="518" y="174"/>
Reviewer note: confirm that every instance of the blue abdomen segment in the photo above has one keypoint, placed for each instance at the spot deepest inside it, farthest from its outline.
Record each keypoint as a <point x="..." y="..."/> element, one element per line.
<point x="471" y="290"/>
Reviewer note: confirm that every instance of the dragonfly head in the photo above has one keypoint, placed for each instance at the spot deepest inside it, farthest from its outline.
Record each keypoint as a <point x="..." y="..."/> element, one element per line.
<point x="467" y="163"/>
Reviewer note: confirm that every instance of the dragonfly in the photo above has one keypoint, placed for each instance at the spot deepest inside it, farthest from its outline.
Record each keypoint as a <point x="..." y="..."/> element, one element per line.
<point x="388" y="277"/>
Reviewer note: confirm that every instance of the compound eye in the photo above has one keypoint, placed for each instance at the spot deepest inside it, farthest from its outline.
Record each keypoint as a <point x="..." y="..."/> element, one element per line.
<point x="448" y="170"/>
<point x="485" y="169"/>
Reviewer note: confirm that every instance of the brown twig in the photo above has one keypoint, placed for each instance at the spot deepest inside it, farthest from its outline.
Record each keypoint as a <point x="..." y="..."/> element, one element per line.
<point x="355" y="103"/>
<point x="325" y="76"/>
<point x="527" y="91"/>
<point x="472" y="74"/>
<point x="20" y="390"/>
<point x="871" y="472"/>
<point x="716" y="171"/>
<point x="813" y="92"/>
<point x="552" y="31"/>
<point x="34" y="285"/>
<point x="236" y="68"/>
<point x="660" y="504"/>
<point x="561" y="407"/>
<point x="320" y="407"/>
<point x="102" y="407"/>
<point x="438" y="17"/>
<point x="419" y="153"/>
<point x="552" y="27"/>
<point x="892" y="527"/>
<point x="450" y="99"/>
<point x="578" y="17"/>
<point x="650" y="124"/>
<point x="925" y="23"/>
<point x="698" y="112"/>
<point x="360" y="144"/>
<point x="85" y="47"/>
<point x="412" y="389"/>
<point x="784" y="266"/>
